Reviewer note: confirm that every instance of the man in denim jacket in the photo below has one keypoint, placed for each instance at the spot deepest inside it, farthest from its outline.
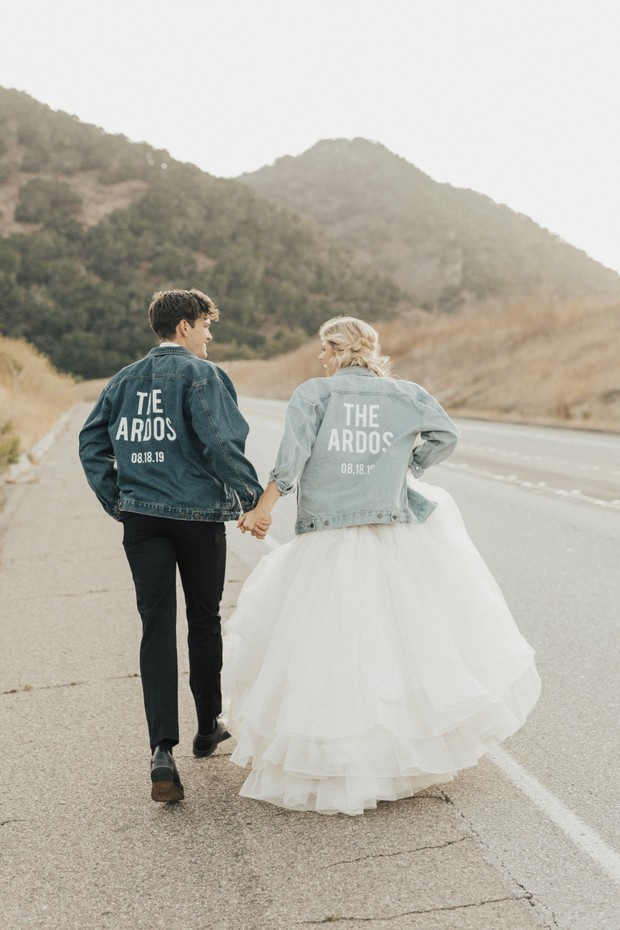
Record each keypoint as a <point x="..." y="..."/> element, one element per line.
<point x="163" y="450"/>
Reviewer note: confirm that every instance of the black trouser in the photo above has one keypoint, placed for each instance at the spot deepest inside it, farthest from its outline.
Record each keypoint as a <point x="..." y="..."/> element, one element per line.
<point x="154" y="547"/>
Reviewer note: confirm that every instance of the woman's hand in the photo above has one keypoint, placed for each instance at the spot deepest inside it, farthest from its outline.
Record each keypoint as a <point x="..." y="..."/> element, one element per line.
<point x="258" y="520"/>
<point x="254" y="522"/>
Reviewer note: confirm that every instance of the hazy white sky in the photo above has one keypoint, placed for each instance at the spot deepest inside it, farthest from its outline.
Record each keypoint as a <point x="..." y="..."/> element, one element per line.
<point x="518" y="99"/>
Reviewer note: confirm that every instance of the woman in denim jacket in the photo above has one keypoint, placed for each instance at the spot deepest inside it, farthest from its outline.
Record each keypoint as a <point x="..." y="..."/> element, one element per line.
<point x="374" y="655"/>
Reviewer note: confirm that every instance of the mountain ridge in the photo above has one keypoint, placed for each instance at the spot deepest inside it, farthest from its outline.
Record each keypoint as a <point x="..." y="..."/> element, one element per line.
<point x="86" y="263"/>
<point x="445" y="245"/>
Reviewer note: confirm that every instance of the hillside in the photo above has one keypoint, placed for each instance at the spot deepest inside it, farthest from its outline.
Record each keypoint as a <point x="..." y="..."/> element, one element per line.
<point x="32" y="398"/>
<point x="527" y="360"/>
<point x="91" y="224"/>
<point x="445" y="245"/>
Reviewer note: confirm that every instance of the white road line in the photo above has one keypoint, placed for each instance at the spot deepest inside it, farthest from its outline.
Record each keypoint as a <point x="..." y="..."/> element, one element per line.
<point x="575" y="494"/>
<point x="572" y="826"/>
<point x="539" y="432"/>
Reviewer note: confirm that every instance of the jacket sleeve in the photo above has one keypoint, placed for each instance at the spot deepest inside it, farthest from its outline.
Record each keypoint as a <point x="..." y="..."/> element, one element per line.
<point x="222" y="430"/>
<point x="304" y="415"/>
<point x="97" y="457"/>
<point x="439" y="434"/>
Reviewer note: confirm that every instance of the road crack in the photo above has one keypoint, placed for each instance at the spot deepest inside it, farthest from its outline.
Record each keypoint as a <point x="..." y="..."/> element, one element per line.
<point x="67" y="684"/>
<point x="402" y="852"/>
<point x="337" y="918"/>
<point x="542" y="910"/>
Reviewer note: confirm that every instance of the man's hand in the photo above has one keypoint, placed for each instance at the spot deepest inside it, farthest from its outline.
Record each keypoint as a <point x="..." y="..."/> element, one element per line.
<point x="255" y="523"/>
<point x="258" y="520"/>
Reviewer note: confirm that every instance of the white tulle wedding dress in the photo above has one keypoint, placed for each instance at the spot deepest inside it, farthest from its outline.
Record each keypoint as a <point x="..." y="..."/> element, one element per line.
<point x="367" y="663"/>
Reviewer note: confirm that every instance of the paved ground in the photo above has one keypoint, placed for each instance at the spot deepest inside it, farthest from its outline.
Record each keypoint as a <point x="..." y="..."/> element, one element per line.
<point x="83" y="846"/>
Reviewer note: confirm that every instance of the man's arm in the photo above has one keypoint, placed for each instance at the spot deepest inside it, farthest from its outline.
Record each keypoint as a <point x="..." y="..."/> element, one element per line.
<point x="222" y="429"/>
<point x="97" y="457"/>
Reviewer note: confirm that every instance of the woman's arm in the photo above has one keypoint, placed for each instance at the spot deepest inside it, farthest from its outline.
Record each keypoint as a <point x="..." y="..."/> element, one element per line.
<point x="303" y="419"/>
<point x="439" y="433"/>
<point x="258" y="520"/>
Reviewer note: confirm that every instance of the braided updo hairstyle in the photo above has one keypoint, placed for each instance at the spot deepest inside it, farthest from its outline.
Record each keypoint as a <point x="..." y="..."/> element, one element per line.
<point x="354" y="343"/>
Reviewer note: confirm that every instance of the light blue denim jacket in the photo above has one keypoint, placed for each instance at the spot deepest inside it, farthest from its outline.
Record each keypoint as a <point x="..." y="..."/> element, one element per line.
<point x="166" y="438"/>
<point x="349" y="443"/>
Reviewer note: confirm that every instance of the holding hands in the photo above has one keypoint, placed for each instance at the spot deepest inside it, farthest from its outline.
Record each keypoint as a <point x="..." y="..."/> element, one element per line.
<point x="258" y="520"/>
<point x="253" y="522"/>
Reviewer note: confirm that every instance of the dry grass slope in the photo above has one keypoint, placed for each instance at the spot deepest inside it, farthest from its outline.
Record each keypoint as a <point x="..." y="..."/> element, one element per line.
<point x="33" y="395"/>
<point x="530" y="360"/>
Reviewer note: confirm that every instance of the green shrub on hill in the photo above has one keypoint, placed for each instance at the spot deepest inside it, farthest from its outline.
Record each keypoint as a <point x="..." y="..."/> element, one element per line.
<point x="43" y="201"/>
<point x="59" y="143"/>
<point x="9" y="445"/>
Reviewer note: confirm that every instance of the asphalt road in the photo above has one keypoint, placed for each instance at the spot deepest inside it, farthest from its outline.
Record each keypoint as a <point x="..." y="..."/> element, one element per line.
<point x="529" y="838"/>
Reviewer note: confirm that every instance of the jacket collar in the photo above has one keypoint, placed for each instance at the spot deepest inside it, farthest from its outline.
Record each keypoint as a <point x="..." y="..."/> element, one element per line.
<point x="354" y="370"/>
<point x="171" y="350"/>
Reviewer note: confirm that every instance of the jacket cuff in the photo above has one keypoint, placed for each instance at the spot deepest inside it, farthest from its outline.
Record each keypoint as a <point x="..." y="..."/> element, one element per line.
<point x="249" y="503"/>
<point x="283" y="486"/>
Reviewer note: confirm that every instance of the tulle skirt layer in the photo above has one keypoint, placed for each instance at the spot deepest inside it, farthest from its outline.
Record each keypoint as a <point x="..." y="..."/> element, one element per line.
<point x="367" y="663"/>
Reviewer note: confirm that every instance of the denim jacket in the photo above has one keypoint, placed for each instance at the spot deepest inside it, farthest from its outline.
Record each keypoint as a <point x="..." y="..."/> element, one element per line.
<point x="166" y="439"/>
<point x="350" y="442"/>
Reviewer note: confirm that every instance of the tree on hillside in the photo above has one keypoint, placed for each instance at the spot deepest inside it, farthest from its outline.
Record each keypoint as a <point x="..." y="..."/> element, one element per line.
<point x="45" y="201"/>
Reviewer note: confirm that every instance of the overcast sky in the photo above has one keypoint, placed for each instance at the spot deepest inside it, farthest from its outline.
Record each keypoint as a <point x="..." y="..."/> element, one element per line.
<point x="517" y="99"/>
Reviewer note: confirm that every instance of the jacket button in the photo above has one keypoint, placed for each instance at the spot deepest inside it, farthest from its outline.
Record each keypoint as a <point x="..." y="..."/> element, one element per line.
<point x="196" y="515"/>
<point x="325" y="522"/>
<point x="380" y="515"/>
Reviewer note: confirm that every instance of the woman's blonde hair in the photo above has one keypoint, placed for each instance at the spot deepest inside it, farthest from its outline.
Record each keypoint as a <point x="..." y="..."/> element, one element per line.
<point x="354" y="343"/>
